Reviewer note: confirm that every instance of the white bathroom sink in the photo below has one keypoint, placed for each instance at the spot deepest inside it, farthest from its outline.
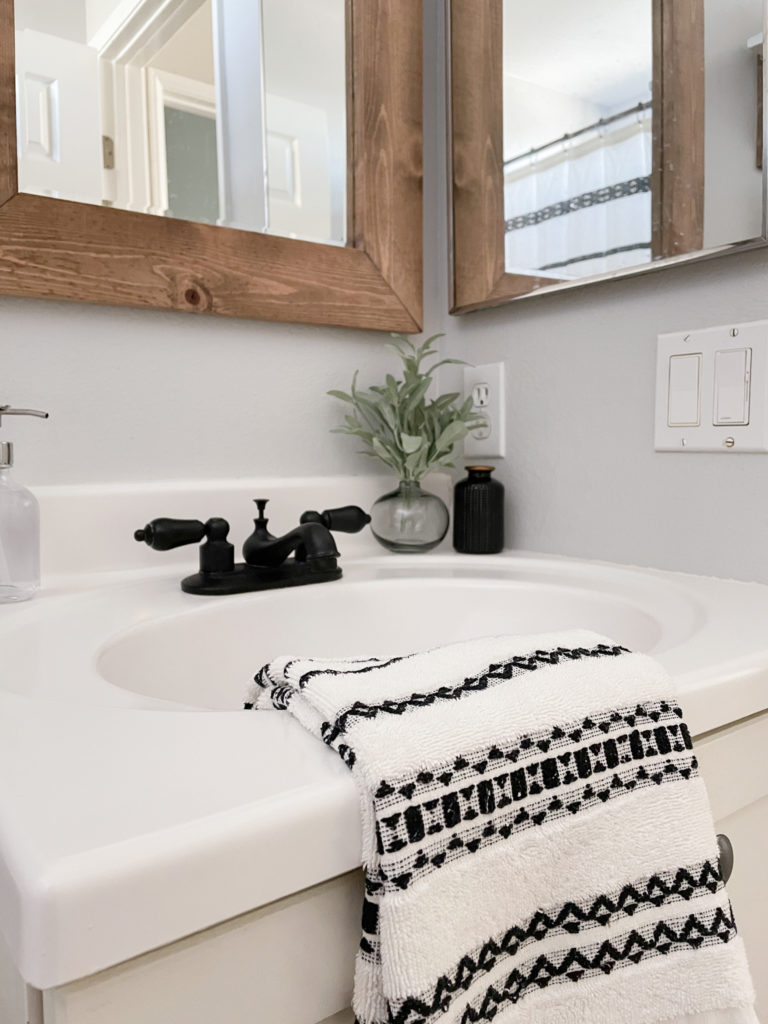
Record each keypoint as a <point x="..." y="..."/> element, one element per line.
<point x="205" y="655"/>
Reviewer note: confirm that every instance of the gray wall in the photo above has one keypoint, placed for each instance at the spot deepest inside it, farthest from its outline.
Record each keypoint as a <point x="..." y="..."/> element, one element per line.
<point x="139" y="395"/>
<point x="581" y="474"/>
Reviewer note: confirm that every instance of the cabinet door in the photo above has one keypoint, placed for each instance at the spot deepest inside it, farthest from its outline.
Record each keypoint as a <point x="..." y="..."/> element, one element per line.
<point x="290" y="962"/>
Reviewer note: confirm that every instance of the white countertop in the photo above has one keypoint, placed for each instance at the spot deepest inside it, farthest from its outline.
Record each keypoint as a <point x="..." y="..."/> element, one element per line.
<point x="128" y="821"/>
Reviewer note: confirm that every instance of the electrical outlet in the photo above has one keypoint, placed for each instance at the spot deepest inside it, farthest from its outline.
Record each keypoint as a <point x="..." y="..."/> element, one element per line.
<point x="485" y="385"/>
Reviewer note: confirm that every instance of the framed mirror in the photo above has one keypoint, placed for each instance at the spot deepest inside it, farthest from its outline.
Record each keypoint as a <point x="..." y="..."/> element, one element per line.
<point x="601" y="140"/>
<point x="257" y="159"/>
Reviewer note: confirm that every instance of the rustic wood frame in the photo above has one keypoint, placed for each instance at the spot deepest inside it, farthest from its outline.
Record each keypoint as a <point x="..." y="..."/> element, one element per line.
<point x="476" y="63"/>
<point x="479" y="278"/>
<point x="56" y="249"/>
<point x="677" y="180"/>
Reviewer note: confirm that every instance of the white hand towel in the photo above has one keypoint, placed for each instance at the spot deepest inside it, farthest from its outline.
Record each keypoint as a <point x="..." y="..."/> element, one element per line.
<point x="537" y="843"/>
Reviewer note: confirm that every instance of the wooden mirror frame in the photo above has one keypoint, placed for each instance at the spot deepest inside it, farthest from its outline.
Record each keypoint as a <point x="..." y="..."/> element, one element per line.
<point x="57" y="249"/>
<point x="479" y="276"/>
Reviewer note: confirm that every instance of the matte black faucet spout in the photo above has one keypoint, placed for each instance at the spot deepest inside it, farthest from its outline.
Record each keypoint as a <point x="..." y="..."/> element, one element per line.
<point x="308" y="542"/>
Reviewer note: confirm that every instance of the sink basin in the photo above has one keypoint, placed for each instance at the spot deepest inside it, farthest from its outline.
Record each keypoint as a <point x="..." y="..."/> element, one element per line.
<point x="205" y="656"/>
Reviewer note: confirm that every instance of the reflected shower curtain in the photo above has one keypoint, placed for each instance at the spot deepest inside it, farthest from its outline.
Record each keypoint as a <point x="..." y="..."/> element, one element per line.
<point x="584" y="208"/>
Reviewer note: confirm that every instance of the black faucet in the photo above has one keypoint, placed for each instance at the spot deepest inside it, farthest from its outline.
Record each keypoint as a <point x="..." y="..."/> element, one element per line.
<point x="311" y="540"/>
<point x="267" y="564"/>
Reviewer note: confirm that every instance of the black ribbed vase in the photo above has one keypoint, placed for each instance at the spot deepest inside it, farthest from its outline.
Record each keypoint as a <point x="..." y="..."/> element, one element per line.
<point x="478" y="513"/>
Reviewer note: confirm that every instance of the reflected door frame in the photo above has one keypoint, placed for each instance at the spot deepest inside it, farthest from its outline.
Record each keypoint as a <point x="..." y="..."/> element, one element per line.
<point x="136" y="93"/>
<point x="126" y="46"/>
<point x="165" y="89"/>
<point x="475" y="49"/>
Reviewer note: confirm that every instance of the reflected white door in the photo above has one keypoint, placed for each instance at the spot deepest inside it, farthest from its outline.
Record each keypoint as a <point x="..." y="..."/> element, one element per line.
<point x="298" y="169"/>
<point x="59" y="122"/>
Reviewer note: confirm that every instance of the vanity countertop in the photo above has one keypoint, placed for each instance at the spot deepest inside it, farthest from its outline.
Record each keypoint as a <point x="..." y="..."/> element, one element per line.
<point x="129" y="819"/>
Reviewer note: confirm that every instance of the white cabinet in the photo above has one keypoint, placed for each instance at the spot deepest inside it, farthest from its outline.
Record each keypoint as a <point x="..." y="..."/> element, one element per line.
<point x="291" y="962"/>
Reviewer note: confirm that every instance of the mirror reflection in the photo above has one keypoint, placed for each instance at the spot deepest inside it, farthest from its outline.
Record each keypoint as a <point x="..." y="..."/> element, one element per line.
<point x="632" y="132"/>
<point x="229" y="112"/>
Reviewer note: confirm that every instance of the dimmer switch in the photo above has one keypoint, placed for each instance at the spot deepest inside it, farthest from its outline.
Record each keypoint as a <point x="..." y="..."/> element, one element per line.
<point x="732" y="373"/>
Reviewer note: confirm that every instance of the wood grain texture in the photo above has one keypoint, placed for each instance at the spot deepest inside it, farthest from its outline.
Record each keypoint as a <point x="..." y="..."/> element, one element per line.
<point x="55" y="249"/>
<point x="476" y="111"/>
<point x="51" y="248"/>
<point x="679" y="127"/>
<point x="8" y="173"/>
<point x="388" y="83"/>
<point x="479" y="277"/>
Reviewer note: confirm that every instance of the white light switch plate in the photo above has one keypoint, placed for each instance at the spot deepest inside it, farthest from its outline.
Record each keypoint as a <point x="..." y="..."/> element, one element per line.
<point x="485" y="384"/>
<point x="707" y="436"/>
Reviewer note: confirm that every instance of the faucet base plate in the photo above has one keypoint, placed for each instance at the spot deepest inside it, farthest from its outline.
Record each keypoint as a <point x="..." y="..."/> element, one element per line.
<point x="245" y="579"/>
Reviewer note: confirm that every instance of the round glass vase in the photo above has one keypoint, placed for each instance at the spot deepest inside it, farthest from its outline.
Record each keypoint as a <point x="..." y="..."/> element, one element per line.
<point x="408" y="519"/>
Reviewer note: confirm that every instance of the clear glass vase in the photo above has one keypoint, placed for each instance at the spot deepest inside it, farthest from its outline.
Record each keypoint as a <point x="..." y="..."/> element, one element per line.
<point x="409" y="519"/>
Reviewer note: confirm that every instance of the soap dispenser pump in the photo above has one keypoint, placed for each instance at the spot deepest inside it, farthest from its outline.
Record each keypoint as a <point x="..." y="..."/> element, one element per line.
<point x="19" y="525"/>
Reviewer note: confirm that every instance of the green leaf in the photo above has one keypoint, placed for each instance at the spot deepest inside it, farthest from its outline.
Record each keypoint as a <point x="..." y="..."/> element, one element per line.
<point x="445" y="400"/>
<point x="413" y="461"/>
<point x="446" y="362"/>
<point x="396" y="348"/>
<point x="340" y="394"/>
<point x="417" y="396"/>
<point x="453" y="432"/>
<point x="410" y="443"/>
<point x="383" y="451"/>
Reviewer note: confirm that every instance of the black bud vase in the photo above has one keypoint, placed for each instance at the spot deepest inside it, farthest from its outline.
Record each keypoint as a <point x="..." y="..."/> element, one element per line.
<point x="478" y="513"/>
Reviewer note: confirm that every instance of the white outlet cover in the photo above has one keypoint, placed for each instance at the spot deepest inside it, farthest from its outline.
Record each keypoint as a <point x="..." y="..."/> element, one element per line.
<point x="490" y="441"/>
<point x="707" y="436"/>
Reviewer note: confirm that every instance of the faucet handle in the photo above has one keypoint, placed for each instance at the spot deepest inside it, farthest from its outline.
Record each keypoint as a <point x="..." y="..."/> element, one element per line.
<point x="217" y="555"/>
<point x="164" y="534"/>
<point x="347" y="519"/>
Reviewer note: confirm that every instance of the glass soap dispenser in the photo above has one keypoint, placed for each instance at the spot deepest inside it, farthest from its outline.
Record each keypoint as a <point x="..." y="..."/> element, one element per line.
<point x="19" y="526"/>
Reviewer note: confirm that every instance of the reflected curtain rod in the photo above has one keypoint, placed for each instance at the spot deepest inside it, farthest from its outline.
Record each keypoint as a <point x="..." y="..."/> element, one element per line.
<point x="638" y="109"/>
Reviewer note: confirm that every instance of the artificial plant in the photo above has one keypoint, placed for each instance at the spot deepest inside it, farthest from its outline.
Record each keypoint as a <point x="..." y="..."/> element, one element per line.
<point x="396" y="421"/>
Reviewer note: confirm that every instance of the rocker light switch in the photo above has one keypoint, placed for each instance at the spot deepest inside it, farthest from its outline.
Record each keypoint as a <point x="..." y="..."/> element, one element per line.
<point x="732" y="373"/>
<point x="684" y="403"/>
